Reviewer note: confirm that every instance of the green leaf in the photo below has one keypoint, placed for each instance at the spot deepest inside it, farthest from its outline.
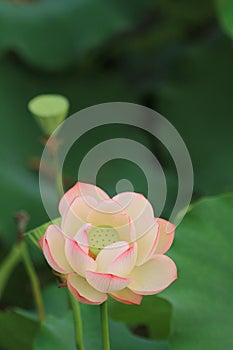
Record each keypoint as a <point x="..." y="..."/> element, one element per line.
<point x="122" y="338"/>
<point x="77" y="27"/>
<point x="56" y="302"/>
<point x="202" y="295"/>
<point x="35" y="234"/>
<point x="56" y="333"/>
<point x="191" y="100"/>
<point x="154" y="312"/>
<point x="18" y="330"/>
<point x="225" y="12"/>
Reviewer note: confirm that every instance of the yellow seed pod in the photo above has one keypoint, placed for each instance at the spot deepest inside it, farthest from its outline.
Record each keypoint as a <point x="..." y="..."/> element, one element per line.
<point x="101" y="236"/>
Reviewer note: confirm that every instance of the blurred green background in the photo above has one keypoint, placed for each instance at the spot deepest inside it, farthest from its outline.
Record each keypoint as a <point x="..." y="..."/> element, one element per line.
<point x="172" y="56"/>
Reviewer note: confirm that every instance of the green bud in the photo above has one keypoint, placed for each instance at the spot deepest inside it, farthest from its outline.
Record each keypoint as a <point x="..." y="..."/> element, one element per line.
<point x="49" y="111"/>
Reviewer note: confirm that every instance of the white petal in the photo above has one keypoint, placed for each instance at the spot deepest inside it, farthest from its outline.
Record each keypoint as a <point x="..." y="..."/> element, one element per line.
<point x="135" y="204"/>
<point x="108" y="213"/>
<point x="77" y="258"/>
<point x="126" y="296"/>
<point x="83" y="292"/>
<point x="166" y="236"/>
<point x="123" y="264"/>
<point x="154" y="276"/>
<point x="106" y="283"/>
<point x="109" y="206"/>
<point x="109" y="254"/>
<point x="147" y="230"/>
<point x="76" y="215"/>
<point x="53" y="246"/>
<point x="81" y="190"/>
<point x="82" y="237"/>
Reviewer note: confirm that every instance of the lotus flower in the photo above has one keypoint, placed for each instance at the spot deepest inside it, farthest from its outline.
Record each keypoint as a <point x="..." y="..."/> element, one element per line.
<point x="109" y="246"/>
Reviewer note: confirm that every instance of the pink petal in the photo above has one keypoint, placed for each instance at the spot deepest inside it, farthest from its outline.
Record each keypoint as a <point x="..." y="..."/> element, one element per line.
<point x="147" y="229"/>
<point x="126" y="296"/>
<point x="135" y="204"/>
<point x="123" y="264"/>
<point x="107" y="255"/>
<point x="106" y="283"/>
<point x="166" y="236"/>
<point x="83" y="292"/>
<point x="81" y="190"/>
<point x="82" y="237"/>
<point x="78" y="259"/>
<point x="76" y="215"/>
<point x="53" y="246"/>
<point x="154" y="276"/>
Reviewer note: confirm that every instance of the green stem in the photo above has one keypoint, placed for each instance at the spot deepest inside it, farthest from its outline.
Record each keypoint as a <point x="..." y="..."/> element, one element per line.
<point x="77" y="322"/>
<point x="104" y="324"/>
<point x="34" y="280"/>
<point x="8" y="265"/>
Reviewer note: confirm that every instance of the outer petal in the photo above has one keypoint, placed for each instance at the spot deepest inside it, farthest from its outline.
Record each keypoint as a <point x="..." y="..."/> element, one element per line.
<point x="135" y="204"/>
<point x="81" y="190"/>
<point x="166" y="236"/>
<point x="79" y="260"/>
<point x="106" y="283"/>
<point x="126" y="296"/>
<point x="83" y="292"/>
<point x="53" y="246"/>
<point x="124" y="263"/>
<point x="154" y="276"/>
<point x="76" y="215"/>
<point x="147" y="230"/>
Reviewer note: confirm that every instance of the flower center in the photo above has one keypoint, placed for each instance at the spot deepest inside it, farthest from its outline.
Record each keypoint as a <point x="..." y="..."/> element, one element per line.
<point x="101" y="236"/>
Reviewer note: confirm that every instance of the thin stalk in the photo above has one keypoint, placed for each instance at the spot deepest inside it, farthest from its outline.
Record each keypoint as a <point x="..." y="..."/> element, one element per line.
<point x="8" y="265"/>
<point x="104" y="325"/>
<point x="34" y="280"/>
<point x="77" y="322"/>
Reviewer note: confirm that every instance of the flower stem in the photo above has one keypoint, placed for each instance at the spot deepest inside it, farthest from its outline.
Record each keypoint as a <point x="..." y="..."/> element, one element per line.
<point x="104" y="324"/>
<point x="34" y="280"/>
<point x="77" y="322"/>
